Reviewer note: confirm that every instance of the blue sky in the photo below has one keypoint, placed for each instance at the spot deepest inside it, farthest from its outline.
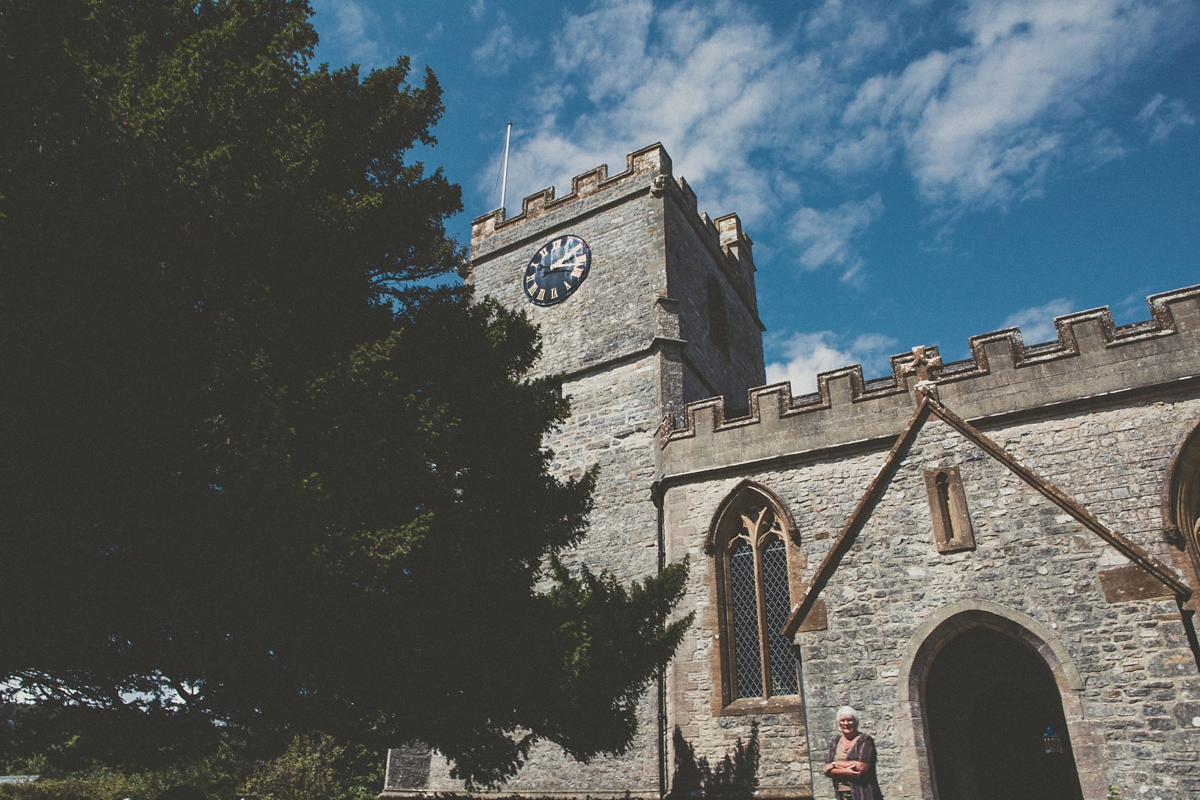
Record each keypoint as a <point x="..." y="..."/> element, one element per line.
<point x="911" y="171"/>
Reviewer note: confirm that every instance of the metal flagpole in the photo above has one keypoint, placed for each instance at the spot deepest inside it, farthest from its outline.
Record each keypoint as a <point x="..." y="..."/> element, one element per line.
<point x="504" y="179"/>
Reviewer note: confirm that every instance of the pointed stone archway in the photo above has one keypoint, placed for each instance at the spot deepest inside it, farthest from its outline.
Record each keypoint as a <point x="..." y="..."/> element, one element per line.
<point x="933" y="658"/>
<point x="1181" y="511"/>
<point x="988" y="700"/>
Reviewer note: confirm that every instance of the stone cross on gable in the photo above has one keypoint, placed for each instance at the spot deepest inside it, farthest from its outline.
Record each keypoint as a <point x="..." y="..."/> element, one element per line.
<point x="923" y="366"/>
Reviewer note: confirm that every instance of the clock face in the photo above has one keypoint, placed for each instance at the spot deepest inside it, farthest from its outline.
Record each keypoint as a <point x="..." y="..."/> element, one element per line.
<point x="557" y="270"/>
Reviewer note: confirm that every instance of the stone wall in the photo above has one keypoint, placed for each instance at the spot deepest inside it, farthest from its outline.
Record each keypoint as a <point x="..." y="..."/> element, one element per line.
<point x="1092" y="359"/>
<point x="696" y="258"/>
<point x="615" y="414"/>
<point x="611" y="423"/>
<point x="1098" y="413"/>
<point x="652" y="251"/>
<point x="612" y="314"/>
<point x="616" y="343"/>
<point x="693" y="691"/>
<point x="1133" y="706"/>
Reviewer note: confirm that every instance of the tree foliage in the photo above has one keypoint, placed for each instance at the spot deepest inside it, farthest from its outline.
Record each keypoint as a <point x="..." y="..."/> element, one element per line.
<point x="316" y="767"/>
<point x="313" y="766"/>
<point x="262" y="467"/>
<point x="217" y="774"/>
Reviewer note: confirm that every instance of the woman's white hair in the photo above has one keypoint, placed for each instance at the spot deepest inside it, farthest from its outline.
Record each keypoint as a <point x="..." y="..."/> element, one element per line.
<point x="847" y="711"/>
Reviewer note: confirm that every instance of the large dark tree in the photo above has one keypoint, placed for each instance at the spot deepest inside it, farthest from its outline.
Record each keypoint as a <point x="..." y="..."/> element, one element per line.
<point x="260" y="470"/>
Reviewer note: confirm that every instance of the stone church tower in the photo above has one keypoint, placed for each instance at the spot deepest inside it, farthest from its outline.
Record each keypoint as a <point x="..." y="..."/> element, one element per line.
<point x="661" y="312"/>
<point x="993" y="560"/>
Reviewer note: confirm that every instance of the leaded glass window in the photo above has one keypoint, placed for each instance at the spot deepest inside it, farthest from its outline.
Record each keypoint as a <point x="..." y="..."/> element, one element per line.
<point x="776" y="597"/>
<point x="757" y="601"/>
<point x="748" y="666"/>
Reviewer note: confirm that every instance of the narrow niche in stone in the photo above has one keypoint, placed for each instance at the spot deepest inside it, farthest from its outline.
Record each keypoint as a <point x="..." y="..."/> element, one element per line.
<point x="948" y="509"/>
<point x="718" y="315"/>
<point x="750" y="545"/>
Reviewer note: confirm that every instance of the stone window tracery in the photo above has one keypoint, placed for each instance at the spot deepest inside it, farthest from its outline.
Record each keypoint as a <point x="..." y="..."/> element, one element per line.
<point x="750" y="545"/>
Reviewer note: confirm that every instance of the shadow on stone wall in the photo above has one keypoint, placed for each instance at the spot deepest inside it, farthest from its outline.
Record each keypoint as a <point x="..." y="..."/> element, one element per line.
<point x="735" y="777"/>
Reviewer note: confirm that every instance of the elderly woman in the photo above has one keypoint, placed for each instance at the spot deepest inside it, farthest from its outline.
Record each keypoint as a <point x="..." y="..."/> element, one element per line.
<point x="851" y="760"/>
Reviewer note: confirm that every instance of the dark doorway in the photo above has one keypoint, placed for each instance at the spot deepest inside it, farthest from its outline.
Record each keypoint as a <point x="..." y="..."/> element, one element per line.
<point x="989" y="699"/>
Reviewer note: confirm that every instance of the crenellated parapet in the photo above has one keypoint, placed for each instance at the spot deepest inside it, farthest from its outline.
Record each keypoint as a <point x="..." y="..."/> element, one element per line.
<point x="1091" y="357"/>
<point x="723" y="234"/>
<point x="646" y="170"/>
<point x="640" y="165"/>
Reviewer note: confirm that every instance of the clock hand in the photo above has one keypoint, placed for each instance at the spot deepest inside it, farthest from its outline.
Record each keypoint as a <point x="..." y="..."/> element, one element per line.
<point x="564" y="266"/>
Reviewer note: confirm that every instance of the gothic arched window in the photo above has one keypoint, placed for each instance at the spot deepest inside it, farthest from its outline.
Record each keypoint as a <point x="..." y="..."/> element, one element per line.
<point x="749" y="542"/>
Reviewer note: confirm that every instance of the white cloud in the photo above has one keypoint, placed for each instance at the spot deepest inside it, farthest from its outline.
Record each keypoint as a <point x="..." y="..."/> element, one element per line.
<point x="1037" y="323"/>
<point x="353" y="31"/>
<point x="478" y="8"/>
<point x="501" y="49"/>
<point x="434" y="32"/>
<point x="1161" y="116"/>
<point x="986" y="123"/>
<point x="1133" y="308"/>
<point x="861" y="151"/>
<point x="981" y="112"/>
<point x="825" y="236"/>
<point x="715" y="86"/>
<point x="808" y="354"/>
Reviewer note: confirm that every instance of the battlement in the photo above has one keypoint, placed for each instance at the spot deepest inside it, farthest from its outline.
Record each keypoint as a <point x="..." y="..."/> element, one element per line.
<point x="651" y="161"/>
<point x="1091" y="357"/>
<point x="648" y="169"/>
